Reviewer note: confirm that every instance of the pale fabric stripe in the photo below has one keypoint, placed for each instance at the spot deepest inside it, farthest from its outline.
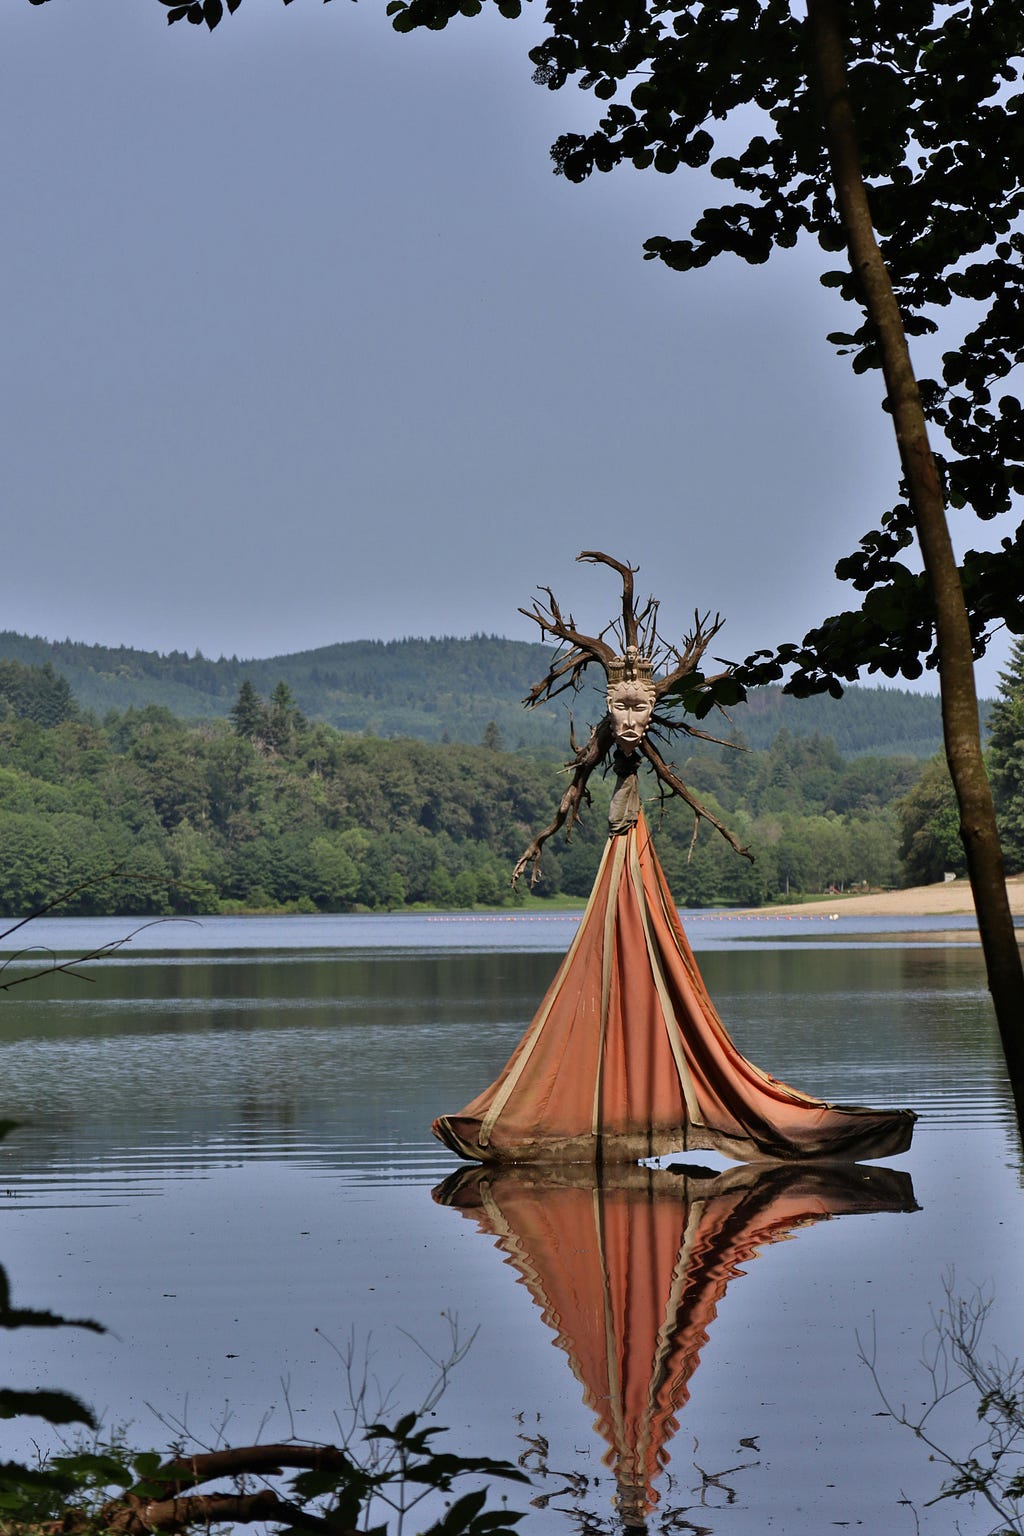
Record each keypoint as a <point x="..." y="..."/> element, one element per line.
<point x="615" y="1404"/>
<point x="501" y="1099"/>
<point x="667" y="1014"/>
<point x="607" y="955"/>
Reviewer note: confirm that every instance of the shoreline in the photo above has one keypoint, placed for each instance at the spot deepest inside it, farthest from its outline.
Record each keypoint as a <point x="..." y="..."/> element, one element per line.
<point x="951" y="898"/>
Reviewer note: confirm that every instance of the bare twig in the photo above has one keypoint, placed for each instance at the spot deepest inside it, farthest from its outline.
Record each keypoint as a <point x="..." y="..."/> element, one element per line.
<point x="675" y="784"/>
<point x="68" y="967"/>
<point x="991" y="1468"/>
<point x="568" y="813"/>
<point x="688" y="659"/>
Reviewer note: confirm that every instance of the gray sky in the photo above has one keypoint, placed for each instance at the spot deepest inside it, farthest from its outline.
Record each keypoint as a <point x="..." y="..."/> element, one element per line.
<point x="304" y="342"/>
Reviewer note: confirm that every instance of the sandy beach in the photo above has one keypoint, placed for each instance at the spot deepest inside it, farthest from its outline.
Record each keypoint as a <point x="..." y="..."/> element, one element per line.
<point x="949" y="899"/>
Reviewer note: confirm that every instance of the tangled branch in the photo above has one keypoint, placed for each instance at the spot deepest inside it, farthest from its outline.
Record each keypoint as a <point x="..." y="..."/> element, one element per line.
<point x="678" y="682"/>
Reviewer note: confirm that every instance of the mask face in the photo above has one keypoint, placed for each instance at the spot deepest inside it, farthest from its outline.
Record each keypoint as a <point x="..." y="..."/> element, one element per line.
<point x="630" y="706"/>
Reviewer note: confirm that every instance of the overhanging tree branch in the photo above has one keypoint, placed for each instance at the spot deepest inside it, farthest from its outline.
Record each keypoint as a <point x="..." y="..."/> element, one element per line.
<point x="961" y="728"/>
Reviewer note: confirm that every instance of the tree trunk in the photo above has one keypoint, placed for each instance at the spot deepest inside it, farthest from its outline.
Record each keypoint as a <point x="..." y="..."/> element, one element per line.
<point x="960" y="725"/>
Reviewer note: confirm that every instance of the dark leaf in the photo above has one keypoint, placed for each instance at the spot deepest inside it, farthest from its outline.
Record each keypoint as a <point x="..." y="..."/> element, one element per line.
<point x="55" y="1407"/>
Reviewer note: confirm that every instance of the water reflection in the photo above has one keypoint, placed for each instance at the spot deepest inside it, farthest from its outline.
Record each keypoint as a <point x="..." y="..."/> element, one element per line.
<point x="629" y="1272"/>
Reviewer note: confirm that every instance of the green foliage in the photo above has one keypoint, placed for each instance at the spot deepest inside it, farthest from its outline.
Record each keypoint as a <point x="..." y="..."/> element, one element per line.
<point x="54" y="1407"/>
<point x="248" y="714"/>
<point x="941" y="133"/>
<point x="930" y="843"/>
<point x="196" y="814"/>
<point x="427" y="688"/>
<point x="431" y="689"/>
<point x="1006" y="759"/>
<point x="201" y="817"/>
<point x="101" y="1486"/>
<point x="35" y="693"/>
<point x="875" y="722"/>
<point x="816" y="822"/>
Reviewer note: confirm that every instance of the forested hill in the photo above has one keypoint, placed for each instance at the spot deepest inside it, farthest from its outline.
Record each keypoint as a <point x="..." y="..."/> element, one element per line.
<point x="431" y="690"/>
<point x="446" y="688"/>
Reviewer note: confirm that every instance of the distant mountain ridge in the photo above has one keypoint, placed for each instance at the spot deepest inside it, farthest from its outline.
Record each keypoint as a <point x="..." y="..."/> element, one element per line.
<point x="450" y="688"/>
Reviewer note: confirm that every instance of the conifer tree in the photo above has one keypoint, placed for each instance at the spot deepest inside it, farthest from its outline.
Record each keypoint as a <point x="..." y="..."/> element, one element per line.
<point x="281" y="717"/>
<point x="1006" y="758"/>
<point x="36" y="693"/>
<point x="248" y="713"/>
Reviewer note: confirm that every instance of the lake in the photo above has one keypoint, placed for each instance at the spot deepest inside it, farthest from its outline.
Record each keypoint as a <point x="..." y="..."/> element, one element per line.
<point x="225" y="1156"/>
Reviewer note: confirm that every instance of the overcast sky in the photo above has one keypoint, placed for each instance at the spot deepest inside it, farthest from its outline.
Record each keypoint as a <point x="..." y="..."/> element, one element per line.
<point x="304" y="342"/>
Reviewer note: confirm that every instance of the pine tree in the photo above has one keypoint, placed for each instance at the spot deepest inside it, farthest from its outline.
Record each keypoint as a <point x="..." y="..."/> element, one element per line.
<point x="1006" y="758"/>
<point x="283" y="718"/>
<point x="36" y="693"/>
<point x="248" y="714"/>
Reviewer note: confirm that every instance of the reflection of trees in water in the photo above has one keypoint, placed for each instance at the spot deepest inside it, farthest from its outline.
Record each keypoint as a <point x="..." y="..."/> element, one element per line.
<point x="987" y="1468"/>
<point x="628" y="1272"/>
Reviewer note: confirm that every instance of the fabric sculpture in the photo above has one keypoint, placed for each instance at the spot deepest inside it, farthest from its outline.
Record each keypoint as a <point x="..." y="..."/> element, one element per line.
<point x="626" y="1057"/>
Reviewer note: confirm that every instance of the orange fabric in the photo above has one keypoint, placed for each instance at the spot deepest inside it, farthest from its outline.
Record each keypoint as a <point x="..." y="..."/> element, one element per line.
<point x="627" y="1057"/>
<point x="629" y="1273"/>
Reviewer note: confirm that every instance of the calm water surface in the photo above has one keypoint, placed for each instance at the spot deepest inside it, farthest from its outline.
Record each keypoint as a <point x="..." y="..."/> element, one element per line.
<point x="225" y="1156"/>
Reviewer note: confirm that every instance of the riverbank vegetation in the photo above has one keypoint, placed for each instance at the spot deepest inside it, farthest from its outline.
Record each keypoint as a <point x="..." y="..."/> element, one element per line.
<point x="267" y="810"/>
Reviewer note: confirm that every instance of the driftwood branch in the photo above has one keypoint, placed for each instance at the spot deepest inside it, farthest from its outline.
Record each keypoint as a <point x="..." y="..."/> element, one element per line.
<point x="583" y="649"/>
<point x="185" y="1472"/>
<point x="627" y="572"/>
<point x="139" y="1517"/>
<point x="688" y="658"/>
<point x="668" y="777"/>
<point x="573" y="665"/>
<point x="567" y="815"/>
<point x="166" y="1501"/>
<point x="663" y="723"/>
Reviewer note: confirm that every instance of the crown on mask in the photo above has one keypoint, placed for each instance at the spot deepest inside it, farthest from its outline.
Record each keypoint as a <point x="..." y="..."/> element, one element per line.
<point x="632" y="667"/>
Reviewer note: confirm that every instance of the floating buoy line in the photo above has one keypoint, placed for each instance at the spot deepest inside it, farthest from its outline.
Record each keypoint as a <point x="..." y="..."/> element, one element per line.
<point x="690" y="917"/>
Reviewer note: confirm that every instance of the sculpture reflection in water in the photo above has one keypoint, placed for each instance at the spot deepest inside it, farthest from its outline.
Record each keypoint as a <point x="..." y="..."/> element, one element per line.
<point x="628" y="1272"/>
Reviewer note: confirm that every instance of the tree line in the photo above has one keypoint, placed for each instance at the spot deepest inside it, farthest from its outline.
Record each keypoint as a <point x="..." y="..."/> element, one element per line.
<point x="443" y="689"/>
<point x="268" y="810"/>
<point x="930" y="820"/>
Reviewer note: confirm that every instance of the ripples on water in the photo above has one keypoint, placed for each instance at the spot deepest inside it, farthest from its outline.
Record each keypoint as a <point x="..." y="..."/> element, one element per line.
<point x="226" y="1155"/>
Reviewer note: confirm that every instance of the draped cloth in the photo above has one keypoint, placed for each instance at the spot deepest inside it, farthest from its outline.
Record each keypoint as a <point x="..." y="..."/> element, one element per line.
<point x="628" y="1272"/>
<point x="627" y="1057"/>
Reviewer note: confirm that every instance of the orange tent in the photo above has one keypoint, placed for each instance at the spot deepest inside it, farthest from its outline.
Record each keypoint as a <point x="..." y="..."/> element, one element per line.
<point x="629" y="1272"/>
<point x="627" y="1057"/>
